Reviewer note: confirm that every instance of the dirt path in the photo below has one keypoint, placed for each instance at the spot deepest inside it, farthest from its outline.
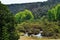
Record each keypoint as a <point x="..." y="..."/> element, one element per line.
<point x="25" y="38"/>
<point x="30" y="38"/>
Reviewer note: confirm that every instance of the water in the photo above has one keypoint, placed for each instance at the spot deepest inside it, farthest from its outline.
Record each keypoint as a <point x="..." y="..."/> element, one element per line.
<point x="38" y="35"/>
<point x="26" y="34"/>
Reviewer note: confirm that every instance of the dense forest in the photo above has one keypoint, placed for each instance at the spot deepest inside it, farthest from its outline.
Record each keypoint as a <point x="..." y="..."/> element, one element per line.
<point x="31" y="18"/>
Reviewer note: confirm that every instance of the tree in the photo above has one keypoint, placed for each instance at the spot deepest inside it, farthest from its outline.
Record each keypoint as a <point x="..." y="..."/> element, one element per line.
<point x="54" y="13"/>
<point x="7" y="24"/>
<point x="23" y="16"/>
<point x="58" y="12"/>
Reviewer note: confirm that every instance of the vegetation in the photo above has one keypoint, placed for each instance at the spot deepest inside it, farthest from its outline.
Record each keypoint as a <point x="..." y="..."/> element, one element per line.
<point x="7" y="24"/>
<point x="50" y="25"/>
<point x="54" y="13"/>
<point x="23" y="16"/>
<point x="38" y="9"/>
<point x="50" y="29"/>
<point x="32" y="20"/>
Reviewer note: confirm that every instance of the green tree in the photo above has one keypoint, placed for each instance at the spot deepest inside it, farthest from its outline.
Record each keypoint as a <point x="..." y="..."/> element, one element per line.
<point x="23" y="16"/>
<point x="54" y="13"/>
<point x="58" y="12"/>
<point x="7" y="24"/>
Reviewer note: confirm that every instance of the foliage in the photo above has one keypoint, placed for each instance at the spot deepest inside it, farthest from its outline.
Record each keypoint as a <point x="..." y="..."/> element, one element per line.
<point x="54" y="13"/>
<point x="50" y="25"/>
<point x="29" y="27"/>
<point x="50" y="29"/>
<point x="39" y="9"/>
<point x="23" y="16"/>
<point x="7" y="24"/>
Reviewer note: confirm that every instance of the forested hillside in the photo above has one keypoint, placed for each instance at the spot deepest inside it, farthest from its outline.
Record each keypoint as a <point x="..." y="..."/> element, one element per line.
<point x="39" y="9"/>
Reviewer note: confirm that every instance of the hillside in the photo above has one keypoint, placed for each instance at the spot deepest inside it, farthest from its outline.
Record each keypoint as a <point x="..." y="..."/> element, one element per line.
<point x="39" y="8"/>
